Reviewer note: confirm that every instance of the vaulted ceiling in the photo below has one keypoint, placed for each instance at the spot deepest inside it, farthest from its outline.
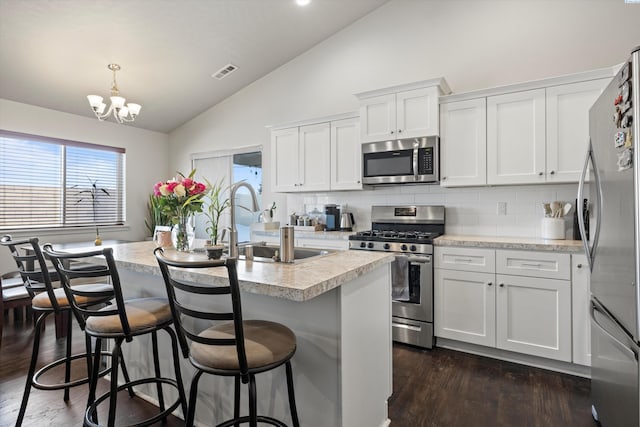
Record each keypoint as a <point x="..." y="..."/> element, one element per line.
<point x="54" y="53"/>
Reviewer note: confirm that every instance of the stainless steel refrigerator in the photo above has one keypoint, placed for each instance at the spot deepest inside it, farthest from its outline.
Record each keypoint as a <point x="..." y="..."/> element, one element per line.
<point x="613" y="165"/>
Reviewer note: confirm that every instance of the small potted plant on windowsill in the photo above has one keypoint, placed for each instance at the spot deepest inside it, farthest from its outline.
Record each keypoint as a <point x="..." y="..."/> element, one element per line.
<point x="215" y="205"/>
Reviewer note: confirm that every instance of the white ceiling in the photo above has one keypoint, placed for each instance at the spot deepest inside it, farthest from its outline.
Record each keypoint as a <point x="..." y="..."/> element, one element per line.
<point x="54" y="53"/>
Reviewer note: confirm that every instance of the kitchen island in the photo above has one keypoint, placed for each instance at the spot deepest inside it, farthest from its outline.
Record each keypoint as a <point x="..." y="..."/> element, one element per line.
<point x="339" y="307"/>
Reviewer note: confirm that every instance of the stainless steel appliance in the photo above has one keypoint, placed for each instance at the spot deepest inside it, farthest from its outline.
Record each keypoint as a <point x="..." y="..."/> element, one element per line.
<point x="614" y="250"/>
<point x="408" y="232"/>
<point x="332" y="217"/>
<point x="414" y="160"/>
<point x="347" y="221"/>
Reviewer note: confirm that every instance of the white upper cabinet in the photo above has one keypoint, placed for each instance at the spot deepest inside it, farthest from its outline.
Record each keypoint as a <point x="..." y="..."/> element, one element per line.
<point x="516" y="138"/>
<point x="536" y="132"/>
<point x="568" y="127"/>
<point x="378" y="118"/>
<point x="346" y="155"/>
<point x="300" y="158"/>
<point x="317" y="156"/>
<point x="285" y="160"/>
<point x="407" y="111"/>
<point x="463" y="143"/>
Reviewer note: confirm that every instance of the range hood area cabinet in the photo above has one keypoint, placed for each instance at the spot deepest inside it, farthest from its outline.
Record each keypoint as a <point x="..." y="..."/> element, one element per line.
<point x="317" y="156"/>
<point x="528" y="133"/>
<point x="399" y="112"/>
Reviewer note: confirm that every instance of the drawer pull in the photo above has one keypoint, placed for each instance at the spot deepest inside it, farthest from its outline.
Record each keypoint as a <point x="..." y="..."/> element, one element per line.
<point x="501" y="285"/>
<point x="489" y="284"/>
<point x="465" y="260"/>
<point x="531" y="264"/>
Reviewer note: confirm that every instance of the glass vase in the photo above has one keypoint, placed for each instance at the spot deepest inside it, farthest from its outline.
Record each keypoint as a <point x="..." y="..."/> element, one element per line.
<point x="183" y="233"/>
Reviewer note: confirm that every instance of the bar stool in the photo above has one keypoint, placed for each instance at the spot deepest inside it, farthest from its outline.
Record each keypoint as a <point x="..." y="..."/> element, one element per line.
<point x="233" y="346"/>
<point x="45" y="301"/>
<point x="122" y="322"/>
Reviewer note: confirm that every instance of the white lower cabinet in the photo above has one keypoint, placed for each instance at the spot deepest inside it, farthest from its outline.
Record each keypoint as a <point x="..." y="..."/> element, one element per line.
<point x="465" y="306"/>
<point x="533" y="316"/>
<point x="527" y="310"/>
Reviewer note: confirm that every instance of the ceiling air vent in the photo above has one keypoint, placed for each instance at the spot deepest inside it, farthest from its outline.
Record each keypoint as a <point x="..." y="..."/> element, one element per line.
<point x="224" y="71"/>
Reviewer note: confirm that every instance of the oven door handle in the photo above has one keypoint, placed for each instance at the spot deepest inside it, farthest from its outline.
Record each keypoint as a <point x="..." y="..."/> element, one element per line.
<point x="419" y="259"/>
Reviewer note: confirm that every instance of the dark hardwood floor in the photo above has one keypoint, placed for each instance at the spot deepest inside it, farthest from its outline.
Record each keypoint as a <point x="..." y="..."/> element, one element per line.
<point x="431" y="388"/>
<point x="443" y="387"/>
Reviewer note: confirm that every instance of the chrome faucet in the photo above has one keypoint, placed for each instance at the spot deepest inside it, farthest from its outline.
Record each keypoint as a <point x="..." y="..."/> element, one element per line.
<point x="233" y="234"/>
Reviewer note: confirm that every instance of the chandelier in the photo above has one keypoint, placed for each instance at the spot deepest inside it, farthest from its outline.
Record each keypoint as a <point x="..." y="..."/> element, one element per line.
<point x="121" y="112"/>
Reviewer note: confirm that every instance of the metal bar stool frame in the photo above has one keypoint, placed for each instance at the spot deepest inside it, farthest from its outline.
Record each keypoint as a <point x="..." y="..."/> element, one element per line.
<point x="127" y="333"/>
<point x="245" y="373"/>
<point x="37" y="280"/>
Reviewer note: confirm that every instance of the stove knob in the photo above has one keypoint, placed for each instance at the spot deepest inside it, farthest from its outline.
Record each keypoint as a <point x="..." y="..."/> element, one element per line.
<point x="386" y="246"/>
<point x="413" y="248"/>
<point x="370" y="245"/>
<point x="363" y="245"/>
<point x="403" y="247"/>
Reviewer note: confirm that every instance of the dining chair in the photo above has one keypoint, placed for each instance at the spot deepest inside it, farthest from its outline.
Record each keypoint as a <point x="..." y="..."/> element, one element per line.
<point x="123" y="321"/>
<point x="47" y="300"/>
<point x="232" y="346"/>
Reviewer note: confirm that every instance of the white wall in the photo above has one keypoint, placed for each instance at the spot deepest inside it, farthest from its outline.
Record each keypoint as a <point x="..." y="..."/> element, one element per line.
<point x="474" y="44"/>
<point x="146" y="163"/>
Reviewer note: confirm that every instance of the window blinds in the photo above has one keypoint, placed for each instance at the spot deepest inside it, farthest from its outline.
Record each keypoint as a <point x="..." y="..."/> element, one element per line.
<point x="48" y="182"/>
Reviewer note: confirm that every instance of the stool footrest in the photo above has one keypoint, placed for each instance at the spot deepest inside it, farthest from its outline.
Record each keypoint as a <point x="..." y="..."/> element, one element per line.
<point x="60" y="386"/>
<point x="93" y="408"/>
<point x="245" y="419"/>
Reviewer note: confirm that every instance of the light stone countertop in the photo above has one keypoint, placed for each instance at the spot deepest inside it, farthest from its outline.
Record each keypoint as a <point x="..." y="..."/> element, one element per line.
<point x="522" y="243"/>
<point x="296" y="282"/>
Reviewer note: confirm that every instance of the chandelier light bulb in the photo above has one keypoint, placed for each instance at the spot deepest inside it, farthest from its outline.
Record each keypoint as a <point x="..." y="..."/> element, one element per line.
<point x="117" y="108"/>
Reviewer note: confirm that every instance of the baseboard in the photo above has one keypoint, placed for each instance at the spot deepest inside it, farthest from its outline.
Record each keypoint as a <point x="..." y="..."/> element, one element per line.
<point x="523" y="359"/>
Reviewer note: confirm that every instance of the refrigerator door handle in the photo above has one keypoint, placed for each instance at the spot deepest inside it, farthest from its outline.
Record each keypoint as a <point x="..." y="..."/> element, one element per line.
<point x="580" y="207"/>
<point x="626" y="348"/>
<point x="590" y="251"/>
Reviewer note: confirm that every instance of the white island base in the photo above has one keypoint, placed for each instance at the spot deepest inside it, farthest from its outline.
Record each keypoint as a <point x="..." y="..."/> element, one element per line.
<point x="342" y="368"/>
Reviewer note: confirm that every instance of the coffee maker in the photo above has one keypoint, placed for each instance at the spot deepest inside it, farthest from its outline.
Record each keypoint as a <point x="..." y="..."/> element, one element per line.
<point x="332" y="217"/>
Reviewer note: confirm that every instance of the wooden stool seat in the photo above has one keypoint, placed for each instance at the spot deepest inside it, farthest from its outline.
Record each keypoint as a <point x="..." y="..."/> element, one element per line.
<point x="142" y="313"/>
<point x="43" y="301"/>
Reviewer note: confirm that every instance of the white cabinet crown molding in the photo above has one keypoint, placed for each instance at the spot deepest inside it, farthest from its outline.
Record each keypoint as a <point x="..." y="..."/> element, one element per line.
<point x="600" y="73"/>
<point x="440" y="82"/>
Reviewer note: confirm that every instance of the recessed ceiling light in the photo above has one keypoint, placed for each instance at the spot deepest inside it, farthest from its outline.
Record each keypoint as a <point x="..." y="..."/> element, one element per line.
<point x="303" y="2"/>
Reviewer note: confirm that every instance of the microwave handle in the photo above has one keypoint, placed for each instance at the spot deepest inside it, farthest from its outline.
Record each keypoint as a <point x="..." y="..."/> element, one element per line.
<point x="415" y="162"/>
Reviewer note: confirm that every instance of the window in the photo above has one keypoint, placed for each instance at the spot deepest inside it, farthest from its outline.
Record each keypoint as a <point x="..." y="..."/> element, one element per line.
<point x="48" y="182"/>
<point x="243" y="164"/>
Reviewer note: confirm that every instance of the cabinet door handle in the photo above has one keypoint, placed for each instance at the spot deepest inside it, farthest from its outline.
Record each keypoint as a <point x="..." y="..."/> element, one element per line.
<point x="540" y="173"/>
<point x="579" y="265"/>
<point x="399" y="130"/>
<point x="444" y="178"/>
<point x="391" y="132"/>
<point x="552" y="172"/>
<point x="501" y="285"/>
<point x="489" y="284"/>
<point x="357" y="182"/>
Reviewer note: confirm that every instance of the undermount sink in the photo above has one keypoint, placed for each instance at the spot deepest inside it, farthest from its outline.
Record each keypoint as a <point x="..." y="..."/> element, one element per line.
<point x="268" y="253"/>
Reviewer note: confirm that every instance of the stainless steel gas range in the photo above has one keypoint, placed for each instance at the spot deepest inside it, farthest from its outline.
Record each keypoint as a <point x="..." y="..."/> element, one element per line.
<point x="408" y="232"/>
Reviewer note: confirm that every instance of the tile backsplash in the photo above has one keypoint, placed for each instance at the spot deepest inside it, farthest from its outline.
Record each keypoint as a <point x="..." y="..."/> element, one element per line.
<point x="470" y="210"/>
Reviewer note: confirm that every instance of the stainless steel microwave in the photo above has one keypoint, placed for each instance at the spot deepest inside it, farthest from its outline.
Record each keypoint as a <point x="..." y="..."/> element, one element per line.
<point x="414" y="160"/>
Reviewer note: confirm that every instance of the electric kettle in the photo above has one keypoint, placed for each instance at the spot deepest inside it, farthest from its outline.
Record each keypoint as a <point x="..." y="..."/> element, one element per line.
<point x="346" y="221"/>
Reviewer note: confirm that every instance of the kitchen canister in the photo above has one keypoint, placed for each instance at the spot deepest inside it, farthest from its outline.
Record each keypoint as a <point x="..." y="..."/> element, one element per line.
<point x="553" y="228"/>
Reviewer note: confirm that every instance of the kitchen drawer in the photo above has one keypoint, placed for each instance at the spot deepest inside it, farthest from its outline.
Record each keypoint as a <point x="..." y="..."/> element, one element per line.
<point x="534" y="264"/>
<point x="465" y="259"/>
